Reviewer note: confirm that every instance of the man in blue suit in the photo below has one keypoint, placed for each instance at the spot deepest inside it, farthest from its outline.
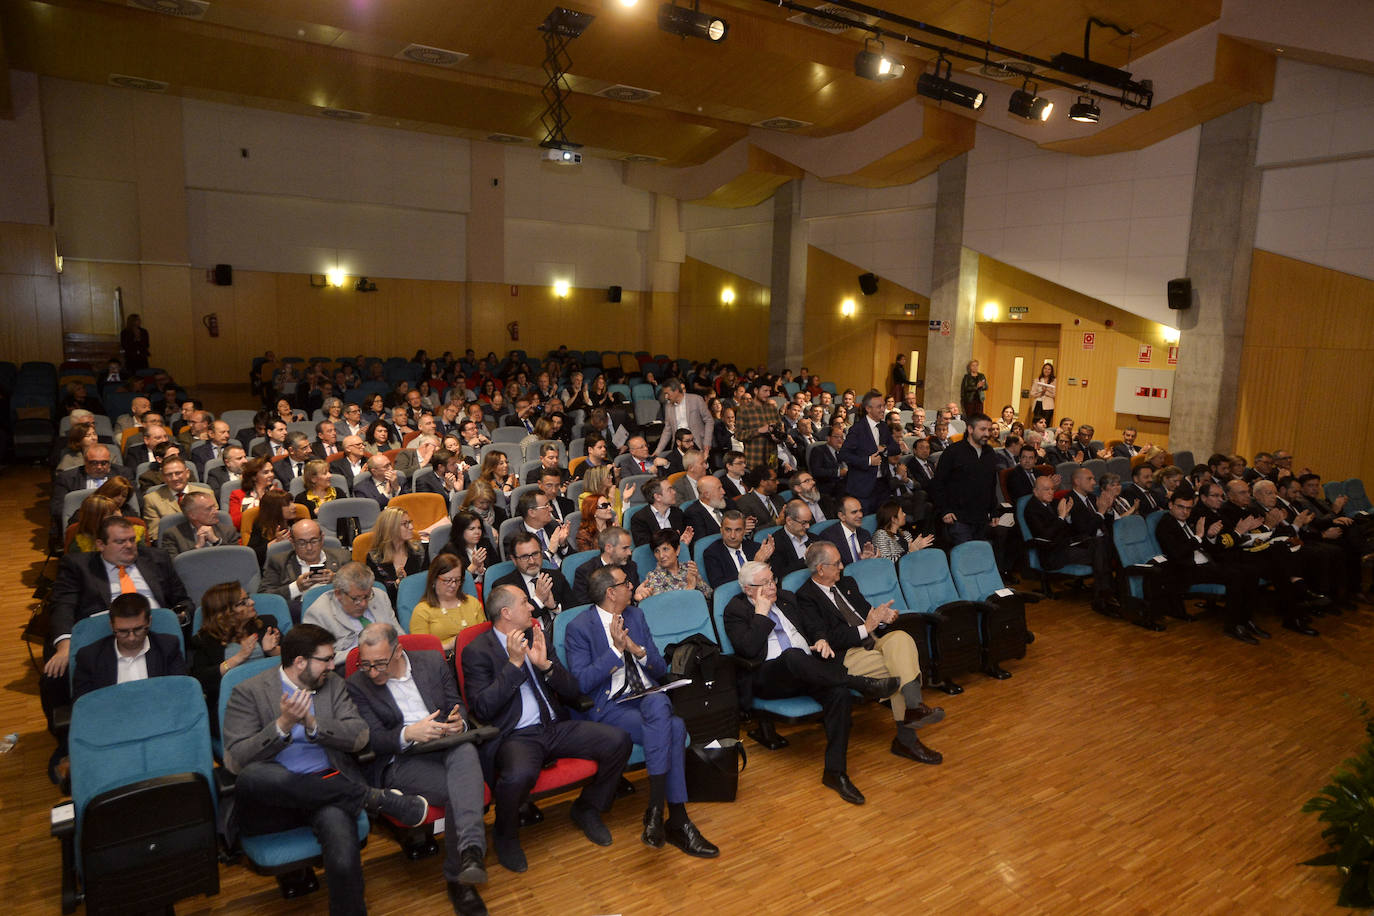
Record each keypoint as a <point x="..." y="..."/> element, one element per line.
<point x="612" y="654"/>
<point x="514" y="683"/>
<point x="723" y="559"/>
<point x="849" y="534"/>
<point x="865" y="452"/>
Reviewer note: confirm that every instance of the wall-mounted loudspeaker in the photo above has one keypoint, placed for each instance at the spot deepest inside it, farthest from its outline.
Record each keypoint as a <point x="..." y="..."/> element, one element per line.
<point x="1180" y="293"/>
<point x="224" y="275"/>
<point x="868" y="283"/>
<point x="613" y="294"/>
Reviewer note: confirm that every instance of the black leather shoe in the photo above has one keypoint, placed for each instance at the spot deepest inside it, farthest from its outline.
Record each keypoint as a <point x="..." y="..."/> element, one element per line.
<point x="874" y="688"/>
<point x="913" y="749"/>
<point x="1107" y="607"/>
<point x="1255" y="630"/>
<point x="1298" y="626"/>
<point x="1154" y="626"/>
<point x="472" y="867"/>
<point x="511" y="856"/>
<point x="839" y="781"/>
<point x="530" y="814"/>
<point x="653" y="828"/>
<point x="589" y="820"/>
<point x="689" y="839"/>
<point x="465" y="899"/>
<point x="406" y="810"/>
<point x="1242" y="633"/>
<point x="923" y="715"/>
<point x="766" y="734"/>
<point x="996" y="671"/>
<point x="625" y="787"/>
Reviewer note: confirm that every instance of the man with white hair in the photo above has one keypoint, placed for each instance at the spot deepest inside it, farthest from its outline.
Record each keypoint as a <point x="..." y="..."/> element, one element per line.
<point x="348" y="607"/>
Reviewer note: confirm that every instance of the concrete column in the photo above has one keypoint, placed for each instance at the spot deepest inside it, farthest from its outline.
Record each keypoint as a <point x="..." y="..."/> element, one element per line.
<point x="1220" y="247"/>
<point x="787" y="305"/>
<point x="953" y="289"/>
<point x="666" y="246"/>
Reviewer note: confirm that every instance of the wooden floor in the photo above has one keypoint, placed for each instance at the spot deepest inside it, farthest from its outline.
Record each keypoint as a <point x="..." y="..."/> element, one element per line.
<point x="1118" y="771"/>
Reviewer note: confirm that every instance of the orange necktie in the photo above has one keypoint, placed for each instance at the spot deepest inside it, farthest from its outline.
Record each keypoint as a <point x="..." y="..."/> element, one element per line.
<point x="126" y="582"/>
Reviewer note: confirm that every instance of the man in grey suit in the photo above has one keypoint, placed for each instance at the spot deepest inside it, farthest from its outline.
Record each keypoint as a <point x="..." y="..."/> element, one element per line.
<point x="309" y="563"/>
<point x="200" y="526"/>
<point x="409" y="700"/>
<point x="348" y="607"/>
<point x="289" y="735"/>
<point x="696" y="469"/>
<point x="680" y="410"/>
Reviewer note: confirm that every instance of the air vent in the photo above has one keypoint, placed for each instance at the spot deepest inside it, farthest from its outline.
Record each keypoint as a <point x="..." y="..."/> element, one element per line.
<point x="434" y="57"/>
<point x="781" y="124"/>
<point x="186" y="9"/>
<point x="640" y="157"/>
<point x="137" y="82"/>
<point x="343" y="114"/>
<point x="506" y="138"/>
<point x="1007" y="70"/>
<point x="826" y="24"/>
<point x="623" y="93"/>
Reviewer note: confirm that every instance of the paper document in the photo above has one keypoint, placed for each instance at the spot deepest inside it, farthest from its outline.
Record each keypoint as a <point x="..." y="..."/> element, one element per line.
<point x="672" y="685"/>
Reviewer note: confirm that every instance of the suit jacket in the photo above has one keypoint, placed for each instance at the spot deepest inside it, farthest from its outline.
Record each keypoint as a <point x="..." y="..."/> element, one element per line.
<point x="562" y="595"/>
<point x="159" y="502"/>
<point x="1176" y="546"/>
<point x="181" y="537"/>
<point x="95" y="665"/>
<point x="839" y="536"/>
<point x="733" y="491"/>
<point x="1122" y="450"/>
<point x="584" y="575"/>
<point x="492" y="685"/>
<point x="280" y="572"/>
<point x="1045" y="525"/>
<point x="785" y="558"/>
<point x="1084" y="522"/>
<point x="75" y="479"/>
<point x="202" y="455"/>
<point x="325" y="612"/>
<point x="430" y="483"/>
<point x="630" y="467"/>
<point x="749" y="632"/>
<point x="1149" y="501"/>
<point x="250" y="722"/>
<point x="691" y="413"/>
<point x="339" y="465"/>
<point x="720" y="567"/>
<point x="702" y="521"/>
<point x="263" y="448"/>
<point x="644" y="524"/>
<point x="285" y="471"/>
<point x="407" y="463"/>
<point x="433" y="677"/>
<point x="367" y="487"/>
<point x="565" y="508"/>
<point x="317" y="448"/>
<point x="859" y="445"/>
<point x="918" y="473"/>
<point x="753" y="505"/>
<point x="840" y="631"/>
<point x="686" y="490"/>
<point x="82" y="587"/>
<point x="592" y="659"/>
<point x="1020" y="484"/>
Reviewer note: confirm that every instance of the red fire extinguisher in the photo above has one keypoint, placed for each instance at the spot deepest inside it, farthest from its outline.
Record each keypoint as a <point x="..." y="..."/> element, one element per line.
<point x="514" y="330"/>
<point x="211" y="322"/>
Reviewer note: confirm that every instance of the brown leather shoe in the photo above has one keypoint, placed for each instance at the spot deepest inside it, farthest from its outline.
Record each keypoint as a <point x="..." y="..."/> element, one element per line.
<point x="913" y="748"/>
<point x="920" y="716"/>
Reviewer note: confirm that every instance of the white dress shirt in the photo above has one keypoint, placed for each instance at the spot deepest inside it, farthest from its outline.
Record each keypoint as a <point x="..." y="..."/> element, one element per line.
<point x="408" y="700"/>
<point x="618" y="675"/>
<point x="132" y="667"/>
<point x="793" y="635"/>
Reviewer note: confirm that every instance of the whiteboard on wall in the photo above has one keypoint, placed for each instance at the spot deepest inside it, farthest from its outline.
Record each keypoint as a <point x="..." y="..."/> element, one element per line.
<point x="1144" y="392"/>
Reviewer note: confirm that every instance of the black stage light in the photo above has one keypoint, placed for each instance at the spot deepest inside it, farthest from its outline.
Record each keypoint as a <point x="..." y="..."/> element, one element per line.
<point x="940" y="87"/>
<point x="678" y="20"/>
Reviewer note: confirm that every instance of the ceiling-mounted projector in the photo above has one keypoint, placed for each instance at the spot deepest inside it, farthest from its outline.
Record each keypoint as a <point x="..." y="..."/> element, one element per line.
<point x="562" y="156"/>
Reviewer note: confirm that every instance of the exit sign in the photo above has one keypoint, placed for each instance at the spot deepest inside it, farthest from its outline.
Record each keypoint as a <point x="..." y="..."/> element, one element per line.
<point x="1019" y="310"/>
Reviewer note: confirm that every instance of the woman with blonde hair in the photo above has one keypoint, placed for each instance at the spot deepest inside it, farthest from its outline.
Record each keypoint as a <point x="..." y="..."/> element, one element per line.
<point x="603" y="480"/>
<point x="481" y="501"/>
<point x="95" y="509"/>
<point x="228" y="616"/>
<point x="446" y="610"/>
<point x="396" y="551"/>
<point x="319" y="489"/>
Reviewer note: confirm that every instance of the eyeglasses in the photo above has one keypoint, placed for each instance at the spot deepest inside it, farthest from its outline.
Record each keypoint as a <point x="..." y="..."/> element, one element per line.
<point x="529" y="556"/>
<point x="369" y="667"/>
<point x="131" y="632"/>
<point x="309" y="542"/>
<point x="618" y="584"/>
<point x="450" y="580"/>
<point x="357" y="599"/>
<point x="327" y="660"/>
<point x="603" y="505"/>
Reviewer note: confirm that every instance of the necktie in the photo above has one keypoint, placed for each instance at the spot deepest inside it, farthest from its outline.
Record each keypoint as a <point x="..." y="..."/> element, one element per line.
<point x="633" y="682"/>
<point x="545" y="711"/>
<point x="557" y="513"/>
<point x="299" y="466"/>
<point x="181" y="498"/>
<point x="739" y="558"/>
<point x="783" y="642"/>
<point x="643" y="467"/>
<point x="126" y="582"/>
<point x="543" y="541"/>
<point x="847" y="610"/>
<point x="854" y="548"/>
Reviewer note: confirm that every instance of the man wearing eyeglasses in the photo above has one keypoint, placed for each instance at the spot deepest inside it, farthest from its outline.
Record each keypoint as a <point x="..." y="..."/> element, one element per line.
<point x="309" y="563"/>
<point x="348" y="607"/>
<point x="547" y="590"/>
<point x="616" y="549"/>
<point x="534" y="508"/>
<point x="789" y="544"/>
<point x="130" y="653"/>
<point x="410" y="700"/>
<point x="290" y="734"/>
<point x="94" y="471"/>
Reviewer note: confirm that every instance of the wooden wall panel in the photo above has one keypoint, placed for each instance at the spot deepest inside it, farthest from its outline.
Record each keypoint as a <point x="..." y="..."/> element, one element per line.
<point x="1308" y="367"/>
<point x="30" y="310"/>
<point x="707" y="328"/>
<point x="1113" y="347"/>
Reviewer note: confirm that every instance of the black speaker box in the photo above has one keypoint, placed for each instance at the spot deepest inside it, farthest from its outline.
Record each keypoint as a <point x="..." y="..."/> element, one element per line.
<point x="1180" y="293"/>
<point x="613" y="294"/>
<point x="224" y="275"/>
<point x="868" y="283"/>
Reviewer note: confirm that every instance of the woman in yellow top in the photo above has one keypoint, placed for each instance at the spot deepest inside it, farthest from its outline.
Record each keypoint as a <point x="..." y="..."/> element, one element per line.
<point x="81" y="534"/>
<point x="445" y="610"/>
<point x="318" y="487"/>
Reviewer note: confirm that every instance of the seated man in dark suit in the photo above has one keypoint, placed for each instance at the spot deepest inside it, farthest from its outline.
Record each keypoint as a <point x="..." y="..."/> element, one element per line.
<point x="1021" y="480"/>
<point x="615" y="551"/>
<point x="789" y="544"/>
<point x="551" y="482"/>
<point x="327" y="442"/>
<point x="290" y="734"/>
<point x="920" y="467"/>
<point x="860" y="636"/>
<point x="274" y="444"/>
<point x="1141" y="490"/>
<point x="200" y="526"/>
<point x="382" y="482"/>
<point x="733" y="477"/>
<point x="130" y="653"/>
<point x="724" y="559"/>
<point x="1126" y="448"/>
<point x="212" y="448"/>
<point x="825" y="464"/>
<point x="533" y="508"/>
<point x="1188" y="547"/>
<point x="1062" y="543"/>
<point x="409" y="700"/>
<point x="233" y="457"/>
<point x="612" y="654"/>
<point x="309" y="563"/>
<point x="516" y="684"/>
<point x="805" y="488"/>
<point x="548" y="460"/>
<point x="352" y="462"/>
<point x="661" y="512"/>
<point x="704" y="515"/>
<point x="849" y="537"/>
<point x="790" y="656"/>
<point x="448" y="476"/>
<point x="760" y="501"/>
<point x="94" y="471"/>
<point x="298" y="452"/>
<point x="546" y="588"/>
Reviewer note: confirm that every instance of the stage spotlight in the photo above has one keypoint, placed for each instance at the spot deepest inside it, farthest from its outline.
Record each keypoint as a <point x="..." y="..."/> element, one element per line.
<point x="678" y="20"/>
<point x="1026" y="104"/>
<point x="1085" y="110"/>
<point x="940" y="87"/>
<point x="875" y="65"/>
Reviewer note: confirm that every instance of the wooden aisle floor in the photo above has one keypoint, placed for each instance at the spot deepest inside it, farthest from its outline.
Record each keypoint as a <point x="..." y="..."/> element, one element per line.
<point x="1118" y="771"/>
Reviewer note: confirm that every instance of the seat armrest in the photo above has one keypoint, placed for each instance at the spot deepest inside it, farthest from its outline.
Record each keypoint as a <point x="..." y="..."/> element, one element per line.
<point x="583" y="703"/>
<point x="745" y="664"/>
<point x="63" y="825"/>
<point x="224" y="782"/>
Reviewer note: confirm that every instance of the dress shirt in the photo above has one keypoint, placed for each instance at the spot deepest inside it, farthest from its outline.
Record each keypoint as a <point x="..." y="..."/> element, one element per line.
<point x="816" y="514"/>
<point x="842" y="604"/>
<point x="793" y="636"/>
<point x="95" y="483"/>
<point x="408" y="700"/>
<point x="529" y="589"/>
<point x="798" y="544"/>
<point x="140" y="583"/>
<point x="618" y="675"/>
<point x="663" y="519"/>
<point x="1200" y="557"/>
<point x="301" y="754"/>
<point x="132" y="667"/>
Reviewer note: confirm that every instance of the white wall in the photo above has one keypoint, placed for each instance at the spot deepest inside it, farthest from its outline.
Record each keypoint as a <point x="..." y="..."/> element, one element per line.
<point x="889" y="231"/>
<point x="1112" y="227"/>
<point x="739" y="240"/>
<point x="24" y="189"/>
<point x="540" y="252"/>
<point x="1317" y="149"/>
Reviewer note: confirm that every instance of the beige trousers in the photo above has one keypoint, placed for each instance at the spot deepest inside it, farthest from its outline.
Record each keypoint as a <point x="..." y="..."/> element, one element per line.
<point x="893" y="655"/>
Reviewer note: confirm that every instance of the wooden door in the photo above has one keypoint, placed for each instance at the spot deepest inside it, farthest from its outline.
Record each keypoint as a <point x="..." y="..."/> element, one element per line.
<point x="1018" y="352"/>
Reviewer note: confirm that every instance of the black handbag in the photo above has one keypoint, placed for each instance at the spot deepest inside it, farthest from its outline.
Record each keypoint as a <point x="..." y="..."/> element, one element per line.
<point x="712" y="773"/>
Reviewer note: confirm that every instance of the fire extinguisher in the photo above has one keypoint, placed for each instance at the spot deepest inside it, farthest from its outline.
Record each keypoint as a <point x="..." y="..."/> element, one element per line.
<point x="211" y="322"/>
<point x="514" y="330"/>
